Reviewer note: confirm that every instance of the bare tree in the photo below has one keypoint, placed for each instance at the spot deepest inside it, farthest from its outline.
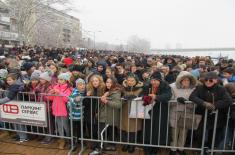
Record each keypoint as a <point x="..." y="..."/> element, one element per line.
<point x="31" y="14"/>
<point x="136" y="44"/>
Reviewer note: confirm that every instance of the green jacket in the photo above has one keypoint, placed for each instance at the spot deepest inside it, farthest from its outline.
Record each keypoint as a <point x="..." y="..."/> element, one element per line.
<point x="110" y="113"/>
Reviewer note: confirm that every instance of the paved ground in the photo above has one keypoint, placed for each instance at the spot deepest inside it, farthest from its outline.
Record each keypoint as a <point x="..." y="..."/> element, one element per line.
<point x="33" y="147"/>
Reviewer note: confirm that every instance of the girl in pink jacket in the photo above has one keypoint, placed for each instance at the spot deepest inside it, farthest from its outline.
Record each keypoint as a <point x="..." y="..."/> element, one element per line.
<point x="61" y="91"/>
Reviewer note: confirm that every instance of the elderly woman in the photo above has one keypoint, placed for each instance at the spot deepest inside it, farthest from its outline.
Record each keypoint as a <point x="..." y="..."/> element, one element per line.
<point x="181" y="90"/>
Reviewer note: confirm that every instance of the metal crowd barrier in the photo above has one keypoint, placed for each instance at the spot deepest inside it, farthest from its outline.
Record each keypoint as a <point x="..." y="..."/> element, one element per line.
<point x="27" y="107"/>
<point x="102" y="131"/>
<point x="196" y="130"/>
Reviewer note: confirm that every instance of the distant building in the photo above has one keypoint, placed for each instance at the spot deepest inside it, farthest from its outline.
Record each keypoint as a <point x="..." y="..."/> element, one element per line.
<point x="8" y="26"/>
<point x="45" y="26"/>
<point x="63" y="31"/>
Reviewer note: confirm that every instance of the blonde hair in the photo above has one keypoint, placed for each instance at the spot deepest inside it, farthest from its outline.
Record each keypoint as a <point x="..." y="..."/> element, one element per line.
<point x="100" y="89"/>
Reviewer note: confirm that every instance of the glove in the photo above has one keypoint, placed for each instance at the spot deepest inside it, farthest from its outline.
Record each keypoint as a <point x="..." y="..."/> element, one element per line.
<point x="147" y="100"/>
<point x="209" y="106"/>
<point x="181" y="100"/>
<point x="129" y="97"/>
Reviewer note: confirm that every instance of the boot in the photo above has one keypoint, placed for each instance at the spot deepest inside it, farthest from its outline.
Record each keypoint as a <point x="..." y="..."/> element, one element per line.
<point x="182" y="153"/>
<point x="172" y="152"/>
<point x="61" y="143"/>
<point x="131" y="149"/>
<point x="125" y="148"/>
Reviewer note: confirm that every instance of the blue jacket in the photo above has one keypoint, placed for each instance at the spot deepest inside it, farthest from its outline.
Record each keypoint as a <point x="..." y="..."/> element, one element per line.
<point x="76" y="106"/>
<point x="232" y="79"/>
<point x="10" y="93"/>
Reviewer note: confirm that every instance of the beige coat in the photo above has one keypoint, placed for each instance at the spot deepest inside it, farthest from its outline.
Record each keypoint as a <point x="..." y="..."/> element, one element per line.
<point x="130" y="124"/>
<point x="178" y="110"/>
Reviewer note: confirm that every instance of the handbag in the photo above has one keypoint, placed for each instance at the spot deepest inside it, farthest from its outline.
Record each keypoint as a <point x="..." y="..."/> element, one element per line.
<point x="137" y="110"/>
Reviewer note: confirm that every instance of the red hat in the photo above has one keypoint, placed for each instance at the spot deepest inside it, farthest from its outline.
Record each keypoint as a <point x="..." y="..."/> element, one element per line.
<point x="68" y="61"/>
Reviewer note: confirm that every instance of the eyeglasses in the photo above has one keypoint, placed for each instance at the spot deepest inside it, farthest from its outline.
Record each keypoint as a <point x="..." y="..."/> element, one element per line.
<point x="210" y="80"/>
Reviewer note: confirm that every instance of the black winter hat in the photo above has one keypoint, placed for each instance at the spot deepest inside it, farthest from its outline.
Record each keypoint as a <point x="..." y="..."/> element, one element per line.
<point x="156" y="76"/>
<point x="27" y="66"/>
<point x="78" y="68"/>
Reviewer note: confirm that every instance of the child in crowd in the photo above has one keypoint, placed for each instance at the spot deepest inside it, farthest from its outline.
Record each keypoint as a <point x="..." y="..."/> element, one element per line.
<point x="228" y="75"/>
<point x="43" y="88"/>
<point x="74" y="104"/>
<point x="31" y="87"/>
<point x="10" y="94"/>
<point x="61" y="91"/>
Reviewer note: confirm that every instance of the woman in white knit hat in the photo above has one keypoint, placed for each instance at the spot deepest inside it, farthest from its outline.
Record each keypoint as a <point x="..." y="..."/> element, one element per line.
<point x="43" y="88"/>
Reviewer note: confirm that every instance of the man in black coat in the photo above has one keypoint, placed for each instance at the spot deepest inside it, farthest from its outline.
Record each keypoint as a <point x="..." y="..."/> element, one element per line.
<point x="213" y="97"/>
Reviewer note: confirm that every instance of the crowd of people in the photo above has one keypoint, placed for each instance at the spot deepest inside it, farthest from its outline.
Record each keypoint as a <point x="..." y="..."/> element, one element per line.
<point x="105" y="78"/>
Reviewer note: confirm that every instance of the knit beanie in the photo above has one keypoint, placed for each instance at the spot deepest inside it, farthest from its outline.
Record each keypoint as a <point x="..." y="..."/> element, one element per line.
<point x="27" y="66"/>
<point x="78" y="81"/>
<point x="195" y="73"/>
<point x="64" y="76"/>
<point x="156" y="76"/>
<point x="3" y="73"/>
<point x="46" y="76"/>
<point x="35" y="75"/>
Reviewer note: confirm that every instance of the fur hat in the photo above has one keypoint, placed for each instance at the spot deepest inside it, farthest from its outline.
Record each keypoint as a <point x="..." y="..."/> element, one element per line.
<point x="211" y="75"/>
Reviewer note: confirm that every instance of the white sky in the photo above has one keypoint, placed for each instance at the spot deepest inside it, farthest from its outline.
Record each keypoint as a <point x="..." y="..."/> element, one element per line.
<point x="165" y="23"/>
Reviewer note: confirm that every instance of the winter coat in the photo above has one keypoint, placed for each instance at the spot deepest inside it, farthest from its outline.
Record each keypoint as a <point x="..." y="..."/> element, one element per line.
<point x="10" y="93"/>
<point x="129" y="94"/>
<point x="110" y="113"/>
<point x="178" y="110"/>
<point x="120" y="78"/>
<point x="75" y="106"/>
<point x="216" y="95"/>
<point x="42" y="90"/>
<point x="163" y="95"/>
<point x="232" y="79"/>
<point x="60" y="100"/>
<point x="91" y="105"/>
<point x="171" y="77"/>
<point x="54" y="80"/>
<point x="230" y="87"/>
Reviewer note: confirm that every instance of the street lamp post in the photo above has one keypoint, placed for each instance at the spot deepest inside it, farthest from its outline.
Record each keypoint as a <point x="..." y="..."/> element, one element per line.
<point x="94" y="37"/>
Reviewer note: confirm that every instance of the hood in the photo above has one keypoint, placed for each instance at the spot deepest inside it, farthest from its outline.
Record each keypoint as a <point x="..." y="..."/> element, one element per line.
<point x="182" y="75"/>
<point x="102" y="63"/>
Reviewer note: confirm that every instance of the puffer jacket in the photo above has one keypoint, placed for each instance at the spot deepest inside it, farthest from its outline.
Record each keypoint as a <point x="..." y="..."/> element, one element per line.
<point x="60" y="100"/>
